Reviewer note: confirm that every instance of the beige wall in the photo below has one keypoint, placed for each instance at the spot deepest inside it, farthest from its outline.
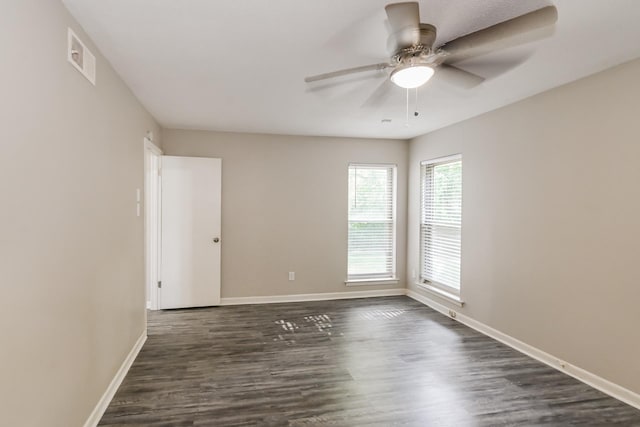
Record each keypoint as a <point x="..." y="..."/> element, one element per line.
<point x="284" y="207"/>
<point x="71" y="246"/>
<point x="551" y="220"/>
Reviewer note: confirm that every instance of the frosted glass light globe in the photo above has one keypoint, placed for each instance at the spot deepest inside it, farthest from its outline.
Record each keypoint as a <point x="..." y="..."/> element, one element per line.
<point x="412" y="76"/>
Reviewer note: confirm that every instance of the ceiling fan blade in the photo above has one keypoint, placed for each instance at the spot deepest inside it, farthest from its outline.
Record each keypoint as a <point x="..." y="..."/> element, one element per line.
<point x="495" y="64"/>
<point x="379" y="95"/>
<point x="501" y="35"/>
<point x="404" y="20"/>
<point x="458" y="77"/>
<point x="372" y="67"/>
<point x="355" y="80"/>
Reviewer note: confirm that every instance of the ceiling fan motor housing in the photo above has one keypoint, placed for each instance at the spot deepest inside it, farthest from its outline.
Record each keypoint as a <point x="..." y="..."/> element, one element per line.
<point x="419" y="52"/>
<point x="427" y="35"/>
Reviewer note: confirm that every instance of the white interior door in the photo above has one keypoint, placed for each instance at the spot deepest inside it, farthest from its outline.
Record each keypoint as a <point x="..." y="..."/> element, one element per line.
<point x="191" y="202"/>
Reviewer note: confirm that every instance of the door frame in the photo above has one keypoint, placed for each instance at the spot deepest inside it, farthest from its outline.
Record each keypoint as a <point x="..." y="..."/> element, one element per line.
<point x="152" y="222"/>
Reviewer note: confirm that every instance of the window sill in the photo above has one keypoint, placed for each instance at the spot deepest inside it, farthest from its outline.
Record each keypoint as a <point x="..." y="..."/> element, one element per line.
<point x="452" y="298"/>
<point x="371" y="282"/>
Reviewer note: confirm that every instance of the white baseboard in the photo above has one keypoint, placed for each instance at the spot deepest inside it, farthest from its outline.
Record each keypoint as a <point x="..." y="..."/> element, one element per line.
<point x="312" y="297"/>
<point x="104" y="401"/>
<point x="614" y="390"/>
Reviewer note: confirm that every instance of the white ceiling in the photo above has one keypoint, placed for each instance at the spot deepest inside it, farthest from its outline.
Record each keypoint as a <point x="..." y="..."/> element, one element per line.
<point x="239" y="65"/>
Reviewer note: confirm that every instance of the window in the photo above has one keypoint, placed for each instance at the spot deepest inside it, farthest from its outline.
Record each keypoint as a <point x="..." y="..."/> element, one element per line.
<point x="372" y="228"/>
<point x="441" y="223"/>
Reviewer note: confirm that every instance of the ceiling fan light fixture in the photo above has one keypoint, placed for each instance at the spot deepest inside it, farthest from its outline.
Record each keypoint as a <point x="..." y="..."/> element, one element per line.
<point x="412" y="76"/>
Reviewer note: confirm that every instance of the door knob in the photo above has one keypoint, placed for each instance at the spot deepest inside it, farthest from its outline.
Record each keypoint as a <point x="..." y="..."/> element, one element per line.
<point x="216" y="239"/>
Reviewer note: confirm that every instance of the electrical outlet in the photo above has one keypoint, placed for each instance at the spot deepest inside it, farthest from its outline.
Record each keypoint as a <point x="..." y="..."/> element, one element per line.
<point x="292" y="275"/>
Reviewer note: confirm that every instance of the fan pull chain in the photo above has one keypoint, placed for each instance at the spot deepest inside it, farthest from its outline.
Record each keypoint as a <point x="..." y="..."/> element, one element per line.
<point x="415" y="112"/>
<point x="407" y="116"/>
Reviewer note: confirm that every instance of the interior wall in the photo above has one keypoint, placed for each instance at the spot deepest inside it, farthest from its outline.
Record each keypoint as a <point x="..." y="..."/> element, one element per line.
<point x="71" y="245"/>
<point x="284" y="207"/>
<point x="551" y="220"/>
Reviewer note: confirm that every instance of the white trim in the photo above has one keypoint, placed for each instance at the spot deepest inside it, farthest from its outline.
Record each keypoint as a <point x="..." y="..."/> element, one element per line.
<point x="104" y="401"/>
<point x="441" y="293"/>
<point x="152" y="229"/>
<point x="150" y="145"/>
<point x="372" y="282"/>
<point x="444" y="159"/>
<point x="312" y="297"/>
<point x="373" y="165"/>
<point x="614" y="390"/>
<point x="394" y="213"/>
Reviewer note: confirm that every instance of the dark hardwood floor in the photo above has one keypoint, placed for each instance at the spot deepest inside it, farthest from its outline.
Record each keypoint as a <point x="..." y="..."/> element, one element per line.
<point x="377" y="361"/>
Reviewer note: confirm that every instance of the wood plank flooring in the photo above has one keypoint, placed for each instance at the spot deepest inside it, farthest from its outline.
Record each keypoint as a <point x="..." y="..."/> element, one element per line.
<point x="365" y="362"/>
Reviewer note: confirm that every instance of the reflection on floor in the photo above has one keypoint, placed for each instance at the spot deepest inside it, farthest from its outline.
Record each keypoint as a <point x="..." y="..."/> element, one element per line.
<point x="377" y="361"/>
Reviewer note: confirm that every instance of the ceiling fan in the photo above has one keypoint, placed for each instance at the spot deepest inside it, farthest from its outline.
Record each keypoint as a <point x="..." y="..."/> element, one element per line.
<point x="415" y="59"/>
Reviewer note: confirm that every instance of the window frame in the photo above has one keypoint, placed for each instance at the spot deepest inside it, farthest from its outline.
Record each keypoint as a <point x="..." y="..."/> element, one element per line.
<point x="431" y="285"/>
<point x="377" y="278"/>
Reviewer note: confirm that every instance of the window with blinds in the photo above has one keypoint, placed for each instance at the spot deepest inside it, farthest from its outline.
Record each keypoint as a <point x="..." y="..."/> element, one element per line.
<point x="372" y="228"/>
<point x="441" y="223"/>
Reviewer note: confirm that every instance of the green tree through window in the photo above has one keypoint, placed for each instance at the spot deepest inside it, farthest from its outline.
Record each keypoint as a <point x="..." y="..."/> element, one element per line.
<point x="441" y="223"/>
<point x="371" y="242"/>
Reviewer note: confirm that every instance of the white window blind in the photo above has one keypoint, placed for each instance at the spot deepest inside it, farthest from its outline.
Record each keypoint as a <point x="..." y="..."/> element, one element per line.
<point x="371" y="252"/>
<point x="441" y="223"/>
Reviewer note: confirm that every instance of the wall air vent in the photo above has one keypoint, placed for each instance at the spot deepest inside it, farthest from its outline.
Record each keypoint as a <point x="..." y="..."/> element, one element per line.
<point x="80" y="57"/>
